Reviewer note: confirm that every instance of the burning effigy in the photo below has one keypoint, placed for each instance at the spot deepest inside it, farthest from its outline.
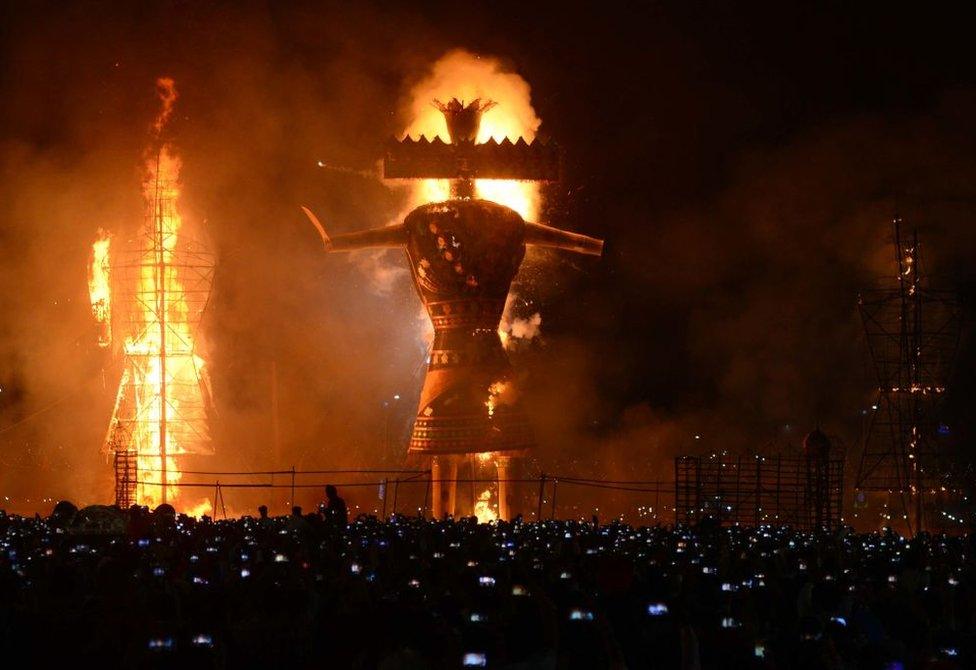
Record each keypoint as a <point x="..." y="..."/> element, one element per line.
<point x="148" y="295"/>
<point x="464" y="245"/>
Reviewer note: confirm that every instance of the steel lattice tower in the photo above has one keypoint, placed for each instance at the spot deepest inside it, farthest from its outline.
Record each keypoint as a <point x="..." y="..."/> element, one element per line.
<point x="163" y="404"/>
<point x="912" y="334"/>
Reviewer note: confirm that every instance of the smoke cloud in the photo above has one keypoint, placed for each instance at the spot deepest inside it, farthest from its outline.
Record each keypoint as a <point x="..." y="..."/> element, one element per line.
<point x="738" y="231"/>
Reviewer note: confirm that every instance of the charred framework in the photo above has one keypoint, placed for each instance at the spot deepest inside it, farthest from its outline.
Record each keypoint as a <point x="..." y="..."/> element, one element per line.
<point x="163" y="403"/>
<point x="912" y="334"/>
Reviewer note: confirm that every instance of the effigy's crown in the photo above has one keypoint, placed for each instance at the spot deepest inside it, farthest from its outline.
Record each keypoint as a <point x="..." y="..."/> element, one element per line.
<point x="462" y="159"/>
<point x="463" y="121"/>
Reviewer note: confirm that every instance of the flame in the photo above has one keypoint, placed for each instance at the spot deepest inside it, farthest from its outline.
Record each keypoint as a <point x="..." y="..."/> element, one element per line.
<point x="200" y="509"/>
<point x="466" y="76"/>
<point x="99" y="287"/>
<point x="166" y="90"/>
<point x="482" y="508"/>
<point x="163" y="380"/>
<point x="495" y="391"/>
<point x="160" y="282"/>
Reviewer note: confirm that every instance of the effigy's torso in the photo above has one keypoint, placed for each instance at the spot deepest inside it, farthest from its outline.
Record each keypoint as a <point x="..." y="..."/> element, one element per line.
<point x="464" y="255"/>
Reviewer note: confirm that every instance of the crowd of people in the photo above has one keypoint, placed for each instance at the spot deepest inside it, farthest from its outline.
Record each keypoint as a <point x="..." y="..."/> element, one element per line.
<point x="105" y="588"/>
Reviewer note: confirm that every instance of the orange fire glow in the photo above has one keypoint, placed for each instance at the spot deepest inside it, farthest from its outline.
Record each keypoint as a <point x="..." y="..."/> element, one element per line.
<point x="463" y="75"/>
<point x="161" y="283"/>
<point x="495" y="393"/>
<point x="160" y="411"/>
<point x="99" y="287"/>
<point x="201" y="508"/>
<point x="483" y="509"/>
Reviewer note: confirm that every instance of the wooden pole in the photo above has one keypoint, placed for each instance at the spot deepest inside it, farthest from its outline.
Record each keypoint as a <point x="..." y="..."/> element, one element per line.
<point x="542" y="492"/>
<point x="292" y="502"/>
<point x="552" y="514"/>
<point x="223" y="507"/>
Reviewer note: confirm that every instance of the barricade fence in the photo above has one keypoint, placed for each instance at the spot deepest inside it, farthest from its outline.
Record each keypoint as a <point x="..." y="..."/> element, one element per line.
<point x="385" y="492"/>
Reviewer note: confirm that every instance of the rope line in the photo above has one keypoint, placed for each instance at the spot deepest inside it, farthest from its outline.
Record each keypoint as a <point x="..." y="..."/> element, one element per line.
<point x="617" y="484"/>
<point x="37" y="413"/>
<point x="246" y="473"/>
<point x="411" y="480"/>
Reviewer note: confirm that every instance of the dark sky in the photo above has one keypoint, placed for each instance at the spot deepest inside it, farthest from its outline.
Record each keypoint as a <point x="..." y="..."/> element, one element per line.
<point x="742" y="160"/>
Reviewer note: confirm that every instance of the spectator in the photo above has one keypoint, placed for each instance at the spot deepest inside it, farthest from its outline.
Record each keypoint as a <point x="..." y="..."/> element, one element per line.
<point x="335" y="509"/>
<point x="410" y="592"/>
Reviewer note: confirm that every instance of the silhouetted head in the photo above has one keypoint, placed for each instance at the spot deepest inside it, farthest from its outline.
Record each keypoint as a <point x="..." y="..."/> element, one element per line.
<point x="64" y="510"/>
<point x="166" y="510"/>
<point x="331" y="492"/>
<point x="296" y="510"/>
<point x="263" y="511"/>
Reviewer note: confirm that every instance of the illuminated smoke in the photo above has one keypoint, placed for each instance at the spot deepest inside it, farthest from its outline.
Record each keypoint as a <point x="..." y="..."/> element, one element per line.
<point x="166" y="91"/>
<point x="466" y="76"/>
<point x="514" y="329"/>
<point x="384" y="270"/>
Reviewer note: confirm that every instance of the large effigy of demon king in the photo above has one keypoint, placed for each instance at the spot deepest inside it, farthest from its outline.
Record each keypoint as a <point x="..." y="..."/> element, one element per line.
<point x="463" y="254"/>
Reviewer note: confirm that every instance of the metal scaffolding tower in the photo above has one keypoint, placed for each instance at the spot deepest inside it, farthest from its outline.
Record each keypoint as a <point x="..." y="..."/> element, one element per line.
<point x="912" y="334"/>
<point x="162" y="409"/>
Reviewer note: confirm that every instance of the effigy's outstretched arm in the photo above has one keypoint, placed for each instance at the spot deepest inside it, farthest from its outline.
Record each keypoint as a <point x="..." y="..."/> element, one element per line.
<point x="387" y="236"/>
<point x="547" y="236"/>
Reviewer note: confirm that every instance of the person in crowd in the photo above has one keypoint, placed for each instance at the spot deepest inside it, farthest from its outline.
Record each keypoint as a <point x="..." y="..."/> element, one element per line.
<point x="301" y="591"/>
<point x="335" y="508"/>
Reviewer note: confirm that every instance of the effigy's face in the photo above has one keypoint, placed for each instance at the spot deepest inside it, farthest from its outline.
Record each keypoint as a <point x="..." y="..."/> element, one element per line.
<point x="464" y="255"/>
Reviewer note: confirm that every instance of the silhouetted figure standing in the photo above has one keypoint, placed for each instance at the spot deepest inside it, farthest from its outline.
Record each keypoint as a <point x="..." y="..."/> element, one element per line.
<point x="335" y="510"/>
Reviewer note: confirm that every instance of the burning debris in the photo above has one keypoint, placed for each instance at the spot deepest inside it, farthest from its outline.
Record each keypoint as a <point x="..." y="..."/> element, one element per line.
<point x="499" y="393"/>
<point x="483" y="509"/>
<point x="99" y="287"/>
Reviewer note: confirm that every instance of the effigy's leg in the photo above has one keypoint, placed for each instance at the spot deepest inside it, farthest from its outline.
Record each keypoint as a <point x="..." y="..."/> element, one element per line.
<point x="452" y="474"/>
<point x="437" y="507"/>
<point x="501" y="465"/>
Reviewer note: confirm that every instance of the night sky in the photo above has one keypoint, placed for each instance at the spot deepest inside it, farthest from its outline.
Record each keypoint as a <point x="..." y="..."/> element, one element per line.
<point x="742" y="161"/>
